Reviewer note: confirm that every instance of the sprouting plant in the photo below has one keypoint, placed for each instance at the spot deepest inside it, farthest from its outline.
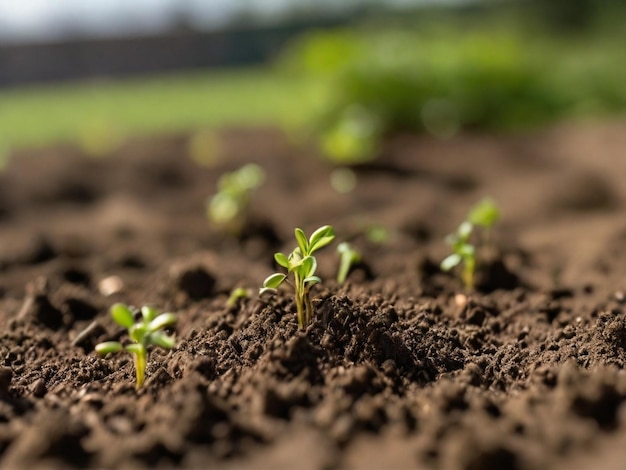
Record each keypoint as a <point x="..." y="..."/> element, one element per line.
<point x="353" y="137"/>
<point x="301" y="264"/>
<point x="348" y="257"/>
<point x="144" y="333"/>
<point x="228" y="208"/>
<point x="463" y="252"/>
<point x="237" y="294"/>
<point x="483" y="214"/>
<point x="377" y="233"/>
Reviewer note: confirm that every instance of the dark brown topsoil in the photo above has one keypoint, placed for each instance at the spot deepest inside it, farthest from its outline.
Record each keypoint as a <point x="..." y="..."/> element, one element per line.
<point x="398" y="370"/>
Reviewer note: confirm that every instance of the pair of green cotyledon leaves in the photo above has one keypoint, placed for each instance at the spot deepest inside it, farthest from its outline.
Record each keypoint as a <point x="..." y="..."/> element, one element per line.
<point x="301" y="264"/>
<point x="300" y="261"/>
<point x="145" y="332"/>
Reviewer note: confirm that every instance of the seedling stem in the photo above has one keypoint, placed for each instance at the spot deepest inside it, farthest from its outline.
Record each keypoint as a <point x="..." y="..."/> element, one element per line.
<point x="348" y="258"/>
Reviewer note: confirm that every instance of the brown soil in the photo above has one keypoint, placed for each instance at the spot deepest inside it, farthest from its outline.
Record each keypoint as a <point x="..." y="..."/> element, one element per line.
<point x="396" y="371"/>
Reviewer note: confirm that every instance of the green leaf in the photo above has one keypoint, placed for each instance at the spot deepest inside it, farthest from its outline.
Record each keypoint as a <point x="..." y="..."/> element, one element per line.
<point x="321" y="237"/>
<point x="308" y="266"/>
<point x="282" y="260"/>
<point x="250" y="176"/>
<point x="450" y="262"/>
<point x="159" y="338"/>
<point x="163" y="320"/>
<point x="138" y="331"/>
<point x="264" y="290"/>
<point x="236" y="294"/>
<point x="465" y="230"/>
<point x="149" y="313"/>
<point x="467" y="251"/>
<point x="303" y="244"/>
<point x="109" y="347"/>
<point x="378" y="234"/>
<point x="223" y="207"/>
<point x="312" y="280"/>
<point x="135" y="348"/>
<point x="346" y="250"/>
<point x="485" y="213"/>
<point x="295" y="259"/>
<point x="274" y="280"/>
<point x="122" y="315"/>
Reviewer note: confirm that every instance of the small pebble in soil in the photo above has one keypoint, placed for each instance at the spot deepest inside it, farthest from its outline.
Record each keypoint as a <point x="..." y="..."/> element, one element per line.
<point x="110" y="285"/>
<point x="38" y="388"/>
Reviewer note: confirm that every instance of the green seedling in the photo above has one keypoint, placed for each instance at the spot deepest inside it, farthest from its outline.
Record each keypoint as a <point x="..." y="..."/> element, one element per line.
<point x="228" y="208"/>
<point x="463" y="252"/>
<point x="353" y="138"/>
<point x="301" y="264"/>
<point x="236" y="295"/>
<point x="485" y="214"/>
<point x="348" y="257"/>
<point x="144" y="333"/>
<point x="378" y="234"/>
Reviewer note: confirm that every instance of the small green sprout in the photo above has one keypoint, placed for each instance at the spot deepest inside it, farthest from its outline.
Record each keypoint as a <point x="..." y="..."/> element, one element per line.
<point x="144" y="333"/>
<point x="463" y="252"/>
<point x="228" y="208"/>
<point x="302" y="264"/>
<point x="377" y="233"/>
<point x="483" y="214"/>
<point x="348" y="258"/>
<point x="236" y="295"/>
<point x="353" y="137"/>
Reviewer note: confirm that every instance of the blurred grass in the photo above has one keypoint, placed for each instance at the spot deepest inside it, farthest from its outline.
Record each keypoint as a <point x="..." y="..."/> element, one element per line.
<point x="349" y="87"/>
<point x="84" y="111"/>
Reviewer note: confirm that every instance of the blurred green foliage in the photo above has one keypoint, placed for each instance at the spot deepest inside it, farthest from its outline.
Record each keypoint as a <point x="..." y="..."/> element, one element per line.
<point x="228" y="208"/>
<point x="442" y="80"/>
<point x="440" y="73"/>
<point x="98" y="115"/>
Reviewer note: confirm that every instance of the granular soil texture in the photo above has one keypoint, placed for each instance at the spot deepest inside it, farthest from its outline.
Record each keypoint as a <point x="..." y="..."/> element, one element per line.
<point x="399" y="369"/>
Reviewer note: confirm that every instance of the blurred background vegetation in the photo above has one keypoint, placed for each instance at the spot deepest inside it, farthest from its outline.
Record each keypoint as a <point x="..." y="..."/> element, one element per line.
<point x="348" y="77"/>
